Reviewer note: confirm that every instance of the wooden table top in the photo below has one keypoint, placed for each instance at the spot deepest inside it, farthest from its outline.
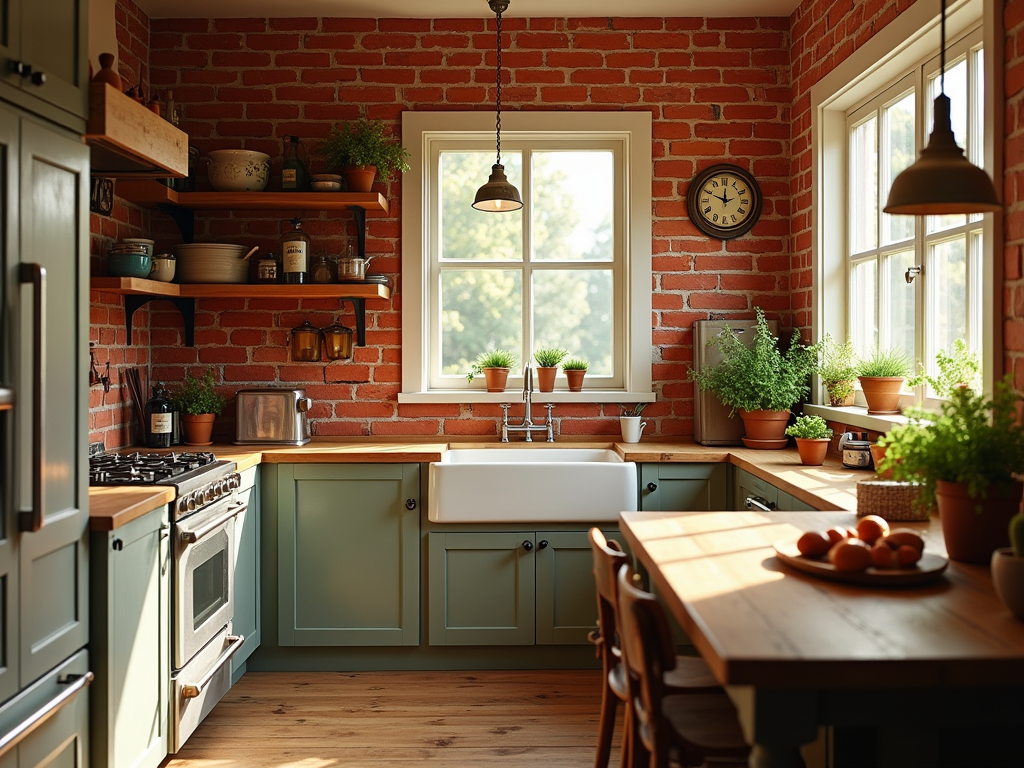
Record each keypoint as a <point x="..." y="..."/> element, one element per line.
<point x="759" y="623"/>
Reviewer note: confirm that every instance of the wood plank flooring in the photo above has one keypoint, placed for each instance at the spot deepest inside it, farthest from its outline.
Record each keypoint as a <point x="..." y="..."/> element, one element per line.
<point x="383" y="719"/>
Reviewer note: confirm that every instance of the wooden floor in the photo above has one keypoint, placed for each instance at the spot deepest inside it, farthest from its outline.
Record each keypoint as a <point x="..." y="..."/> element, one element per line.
<point x="383" y="719"/>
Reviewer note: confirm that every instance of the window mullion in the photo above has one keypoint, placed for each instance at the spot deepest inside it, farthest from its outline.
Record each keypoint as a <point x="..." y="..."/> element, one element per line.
<point x="527" y="260"/>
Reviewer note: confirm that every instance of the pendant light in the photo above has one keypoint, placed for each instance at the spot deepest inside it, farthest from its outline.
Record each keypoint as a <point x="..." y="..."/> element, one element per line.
<point x="498" y="194"/>
<point x="942" y="181"/>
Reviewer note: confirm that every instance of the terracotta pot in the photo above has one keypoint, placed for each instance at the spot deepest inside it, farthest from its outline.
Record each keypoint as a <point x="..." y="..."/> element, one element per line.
<point x="812" y="450"/>
<point x="765" y="425"/>
<point x="841" y="402"/>
<point x="360" y="177"/>
<point x="107" y="74"/>
<point x="198" y="429"/>
<point x="882" y="393"/>
<point x="1008" y="579"/>
<point x="546" y="378"/>
<point x="495" y="378"/>
<point x="877" y="454"/>
<point x="972" y="535"/>
<point x="575" y="379"/>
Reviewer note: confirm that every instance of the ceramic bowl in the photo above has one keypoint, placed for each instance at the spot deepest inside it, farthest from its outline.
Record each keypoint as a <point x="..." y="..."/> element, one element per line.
<point x="211" y="263"/>
<point x="144" y="242"/>
<point x="163" y="268"/>
<point x="129" y="264"/>
<point x="238" y="170"/>
<point x="325" y="182"/>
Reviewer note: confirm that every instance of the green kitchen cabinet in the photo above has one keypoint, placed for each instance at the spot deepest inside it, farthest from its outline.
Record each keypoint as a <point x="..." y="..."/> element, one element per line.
<point x="684" y="487"/>
<point x="511" y="587"/>
<point x="130" y="615"/>
<point x="758" y="491"/>
<point x="348" y="554"/>
<point x="246" y="621"/>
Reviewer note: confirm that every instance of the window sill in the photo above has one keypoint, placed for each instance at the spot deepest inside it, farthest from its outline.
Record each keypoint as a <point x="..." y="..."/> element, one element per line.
<point x="516" y="396"/>
<point x="855" y="416"/>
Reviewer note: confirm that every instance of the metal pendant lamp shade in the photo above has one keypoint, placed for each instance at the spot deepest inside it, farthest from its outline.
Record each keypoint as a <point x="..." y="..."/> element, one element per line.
<point x="943" y="180"/>
<point x="498" y="194"/>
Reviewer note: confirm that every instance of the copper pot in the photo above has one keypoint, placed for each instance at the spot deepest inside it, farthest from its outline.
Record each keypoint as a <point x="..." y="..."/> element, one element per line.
<point x="338" y="342"/>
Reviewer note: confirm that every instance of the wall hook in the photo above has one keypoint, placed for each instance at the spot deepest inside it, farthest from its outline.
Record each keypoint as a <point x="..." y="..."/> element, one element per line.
<point x="94" y="375"/>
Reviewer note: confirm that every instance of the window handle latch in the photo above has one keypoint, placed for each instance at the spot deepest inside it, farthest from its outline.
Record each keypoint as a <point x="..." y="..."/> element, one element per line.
<point x="913" y="272"/>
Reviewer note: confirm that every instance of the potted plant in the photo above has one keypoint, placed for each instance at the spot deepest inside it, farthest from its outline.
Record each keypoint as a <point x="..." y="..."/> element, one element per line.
<point x="630" y="424"/>
<point x="494" y="365"/>
<point x="199" y="404"/>
<point x="548" y="359"/>
<point x="575" y="369"/>
<point x="958" y="368"/>
<point x="881" y="378"/>
<point x="362" y="150"/>
<point x="964" y="458"/>
<point x="837" y="368"/>
<point x="813" y="436"/>
<point x="759" y="381"/>
<point x="1008" y="569"/>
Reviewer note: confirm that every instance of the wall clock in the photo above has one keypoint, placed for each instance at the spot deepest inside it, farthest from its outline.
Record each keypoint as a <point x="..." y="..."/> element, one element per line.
<point x="724" y="201"/>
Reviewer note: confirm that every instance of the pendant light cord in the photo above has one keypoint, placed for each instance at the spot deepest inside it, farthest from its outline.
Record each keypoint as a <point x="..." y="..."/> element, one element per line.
<point x="497" y="120"/>
<point x="942" y="51"/>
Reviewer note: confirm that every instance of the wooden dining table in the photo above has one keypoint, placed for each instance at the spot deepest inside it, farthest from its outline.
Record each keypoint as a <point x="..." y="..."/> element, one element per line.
<point x="927" y="669"/>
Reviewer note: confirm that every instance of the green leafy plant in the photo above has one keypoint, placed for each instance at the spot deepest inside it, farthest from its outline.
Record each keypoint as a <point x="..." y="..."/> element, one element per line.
<point x="957" y="368"/>
<point x="549" y="357"/>
<point x="575" y="364"/>
<point x="1017" y="534"/>
<point x="837" y="367"/>
<point x="635" y="410"/>
<point x="364" y="142"/>
<point x="760" y="377"/>
<point x="885" y="362"/>
<point x="809" y="428"/>
<point x="494" y="358"/>
<point x="196" y="396"/>
<point x="973" y="440"/>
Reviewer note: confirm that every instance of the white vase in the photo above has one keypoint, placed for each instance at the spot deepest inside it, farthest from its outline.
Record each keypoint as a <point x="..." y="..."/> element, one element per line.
<point x="1008" y="579"/>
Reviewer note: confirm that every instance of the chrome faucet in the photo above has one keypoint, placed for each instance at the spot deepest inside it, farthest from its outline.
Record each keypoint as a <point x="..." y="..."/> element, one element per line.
<point x="527" y="425"/>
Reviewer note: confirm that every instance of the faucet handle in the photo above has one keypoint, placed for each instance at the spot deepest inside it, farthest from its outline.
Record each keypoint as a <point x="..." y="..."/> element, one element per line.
<point x="527" y="380"/>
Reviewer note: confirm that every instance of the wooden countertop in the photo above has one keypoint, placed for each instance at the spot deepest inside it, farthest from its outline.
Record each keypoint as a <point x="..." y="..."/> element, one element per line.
<point x="110" y="507"/>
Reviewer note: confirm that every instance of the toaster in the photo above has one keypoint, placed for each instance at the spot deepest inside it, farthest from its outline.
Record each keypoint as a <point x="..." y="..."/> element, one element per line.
<point x="272" y="415"/>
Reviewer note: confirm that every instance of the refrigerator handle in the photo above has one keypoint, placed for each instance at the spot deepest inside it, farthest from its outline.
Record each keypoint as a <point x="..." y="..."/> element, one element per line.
<point x="32" y="519"/>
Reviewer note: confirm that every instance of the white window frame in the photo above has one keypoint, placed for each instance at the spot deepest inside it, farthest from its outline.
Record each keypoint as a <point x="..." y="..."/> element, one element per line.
<point x="423" y="133"/>
<point x="882" y="61"/>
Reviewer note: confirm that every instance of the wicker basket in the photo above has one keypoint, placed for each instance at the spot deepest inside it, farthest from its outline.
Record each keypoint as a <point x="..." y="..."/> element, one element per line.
<point x="891" y="500"/>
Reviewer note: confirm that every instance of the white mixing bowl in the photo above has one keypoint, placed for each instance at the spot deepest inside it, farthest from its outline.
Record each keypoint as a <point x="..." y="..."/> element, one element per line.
<point x="238" y="170"/>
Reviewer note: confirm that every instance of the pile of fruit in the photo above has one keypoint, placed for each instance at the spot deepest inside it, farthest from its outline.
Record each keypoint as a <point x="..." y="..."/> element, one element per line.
<point x="870" y="544"/>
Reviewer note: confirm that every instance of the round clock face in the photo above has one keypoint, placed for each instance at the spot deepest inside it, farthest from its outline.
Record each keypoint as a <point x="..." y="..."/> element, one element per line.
<point x="724" y="201"/>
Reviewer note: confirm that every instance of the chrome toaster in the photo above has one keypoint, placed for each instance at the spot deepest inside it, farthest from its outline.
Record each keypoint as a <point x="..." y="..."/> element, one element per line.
<point x="272" y="415"/>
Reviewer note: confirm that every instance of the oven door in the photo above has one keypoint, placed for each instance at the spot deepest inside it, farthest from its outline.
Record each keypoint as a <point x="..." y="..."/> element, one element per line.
<point x="204" y="577"/>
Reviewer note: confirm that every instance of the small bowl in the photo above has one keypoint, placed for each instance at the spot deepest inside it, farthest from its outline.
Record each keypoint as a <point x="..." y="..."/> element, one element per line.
<point x="129" y="264"/>
<point x="325" y="186"/>
<point x="144" y="242"/>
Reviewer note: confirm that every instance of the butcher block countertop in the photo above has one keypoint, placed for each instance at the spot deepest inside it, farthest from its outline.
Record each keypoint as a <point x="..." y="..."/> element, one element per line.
<point x="831" y="486"/>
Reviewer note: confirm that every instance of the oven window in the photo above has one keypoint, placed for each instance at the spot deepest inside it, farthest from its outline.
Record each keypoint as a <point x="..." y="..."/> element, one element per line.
<point x="209" y="588"/>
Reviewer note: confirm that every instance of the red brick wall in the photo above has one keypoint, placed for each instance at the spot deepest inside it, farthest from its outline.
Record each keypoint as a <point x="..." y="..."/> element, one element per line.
<point x="1013" y="193"/>
<point x="715" y="87"/>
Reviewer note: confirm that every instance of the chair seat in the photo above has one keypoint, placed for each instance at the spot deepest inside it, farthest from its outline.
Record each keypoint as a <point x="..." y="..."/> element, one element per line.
<point x="707" y="722"/>
<point x="691" y="676"/>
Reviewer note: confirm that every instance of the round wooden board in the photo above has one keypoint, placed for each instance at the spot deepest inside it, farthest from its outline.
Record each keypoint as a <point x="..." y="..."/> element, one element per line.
<point x="928" y="568"/>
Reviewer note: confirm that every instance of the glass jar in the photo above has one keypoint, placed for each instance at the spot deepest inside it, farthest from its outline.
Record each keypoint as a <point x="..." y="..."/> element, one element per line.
<point x="266" y="269"/>
<point x="306" y="342"/>
<point x="338" y="342"/>
<point x="324" y="270"/>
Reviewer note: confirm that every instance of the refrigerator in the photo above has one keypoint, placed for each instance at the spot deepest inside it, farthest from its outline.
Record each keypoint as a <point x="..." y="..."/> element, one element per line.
<point x="712" y="424"/>
<point x="44" y="317"/>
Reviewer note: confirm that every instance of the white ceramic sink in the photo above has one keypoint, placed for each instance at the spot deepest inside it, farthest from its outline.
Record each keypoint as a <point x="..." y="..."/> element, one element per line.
<point x="512" y="485"/>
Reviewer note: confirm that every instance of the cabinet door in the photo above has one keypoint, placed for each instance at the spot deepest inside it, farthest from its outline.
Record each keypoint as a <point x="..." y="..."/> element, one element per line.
<point x="757" y="490"/>
<point x="348" y="554"/>
<point x="566" y="594"/>
<point x="53" y="561"/>
<point x="683" y="487"/>
<point x="481" y="588"/>
<point x="130" y="604"/>
<point x="789" y="503"/>
<point x="246" y="620"/>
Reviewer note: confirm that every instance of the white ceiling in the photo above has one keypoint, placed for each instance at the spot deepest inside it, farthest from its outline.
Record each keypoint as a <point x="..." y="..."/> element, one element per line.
<point x="460" y="9"/>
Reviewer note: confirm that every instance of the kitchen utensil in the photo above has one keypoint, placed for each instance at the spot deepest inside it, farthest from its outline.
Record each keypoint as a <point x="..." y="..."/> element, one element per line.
<point x="238" y="170"/>
<point x="272" y="415"/>
<point x="306" y="341"/>
<point x="338" y="342"/>
<point x="163" y="267"/>
<point x="250" y="253"/>
<point x="211" y="263"/>
<point x="136" y="263"/>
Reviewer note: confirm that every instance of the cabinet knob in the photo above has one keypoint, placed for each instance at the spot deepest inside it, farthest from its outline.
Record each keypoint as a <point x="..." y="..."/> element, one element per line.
<point x="410" y="503"/>
<point x="527" y="545"/>
<point x="652" y="487"/>
<point x="38" y="78"/>
<point x="542" y="544"/>
<point x="19" y="68"/>
<point x="117" y="545"/>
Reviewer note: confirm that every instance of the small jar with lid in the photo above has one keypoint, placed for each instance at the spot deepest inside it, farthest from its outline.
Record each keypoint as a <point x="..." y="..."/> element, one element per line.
<point x="324" y="270"/>
<point x="306" y="342"/>
<point x="266" y="269"/>
<point x="338" y="342"/>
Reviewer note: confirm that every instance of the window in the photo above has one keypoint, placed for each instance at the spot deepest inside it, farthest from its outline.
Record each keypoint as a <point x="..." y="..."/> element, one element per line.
<point x="571" y="269"/>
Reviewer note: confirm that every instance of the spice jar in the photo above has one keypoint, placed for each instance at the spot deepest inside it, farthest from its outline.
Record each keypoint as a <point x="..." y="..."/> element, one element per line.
<point x="324" y="270"/>
<point x="306" y="342"/>
<point x="266" y="269"/>
<point x="338" y="342"/>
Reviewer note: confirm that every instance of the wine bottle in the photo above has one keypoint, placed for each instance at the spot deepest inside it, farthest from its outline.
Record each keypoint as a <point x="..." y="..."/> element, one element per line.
<point x="294" y="247"/>
<point x="159" y="419"/>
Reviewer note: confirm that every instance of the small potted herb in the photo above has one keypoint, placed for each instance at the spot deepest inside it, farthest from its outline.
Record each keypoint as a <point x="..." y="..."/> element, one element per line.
<point x="881" y="378"/>
<point x="199" y="404"/>
<point x="494" y="365"/>
<point x="362" y="150"/>
<point x="957" y="368"/>
<point x="575" y="368"/>
<point x="812" y="435"/>
<point x="837" y="368"/>
<point x="548" y="359"/>
<point x="630" y="424"/>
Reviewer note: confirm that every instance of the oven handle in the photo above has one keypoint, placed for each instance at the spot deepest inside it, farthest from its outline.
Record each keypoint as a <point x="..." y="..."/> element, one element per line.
<point x="234" y="643"/>
<point x="191" y="537"/>
<point x="44" y="713"/>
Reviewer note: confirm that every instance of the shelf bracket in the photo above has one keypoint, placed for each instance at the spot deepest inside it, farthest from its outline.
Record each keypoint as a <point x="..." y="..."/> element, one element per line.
<point x="185" y="218"/>
<point x="359" y="308"/>
<point x="187" y="308"/>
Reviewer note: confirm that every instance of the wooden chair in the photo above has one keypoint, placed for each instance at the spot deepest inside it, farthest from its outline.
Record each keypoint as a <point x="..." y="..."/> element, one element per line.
<point x="695" y="727"/>
<point x="689" y="674"/>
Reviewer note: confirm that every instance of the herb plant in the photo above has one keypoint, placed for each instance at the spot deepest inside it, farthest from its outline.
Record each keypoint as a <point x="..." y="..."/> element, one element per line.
<point x="760" y="377"/>
<point x="809" y="428"/>
<point x="972" y="440"/>
<point x="549" y="357"/>
<point x="837" y="367"/>
<point x="636" y="410"/>
<point x="197" y="396"/>
<point x="958" y="368"/>
<point x="495" y="358"/>
<point x="886" y="363"/>
<point x="363" y="142"/>
<point x="575" y="364"/>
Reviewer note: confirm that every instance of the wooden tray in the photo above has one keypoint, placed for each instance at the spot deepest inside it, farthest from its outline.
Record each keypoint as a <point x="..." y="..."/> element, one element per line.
<point x="928" y="568"/>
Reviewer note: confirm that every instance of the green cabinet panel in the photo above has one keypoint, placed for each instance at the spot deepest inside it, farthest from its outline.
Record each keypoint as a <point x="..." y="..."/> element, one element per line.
<point x="789" y="503"/>
<point x="348" y="554"/>
<point x="130" y="604"/>
<point x="246" y="621"/>
<point x="481" y="588"/>
<point x="747" y="486"/>
<point x="684" y="487"/>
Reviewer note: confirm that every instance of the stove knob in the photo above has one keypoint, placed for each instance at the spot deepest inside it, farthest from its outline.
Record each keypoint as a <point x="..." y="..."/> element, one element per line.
<point x="182" y="505"/>
<point x="235" y="480"/>
<point x="191" y="502"/>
